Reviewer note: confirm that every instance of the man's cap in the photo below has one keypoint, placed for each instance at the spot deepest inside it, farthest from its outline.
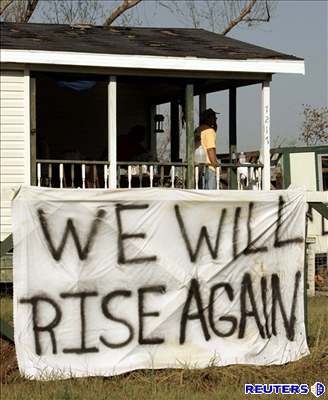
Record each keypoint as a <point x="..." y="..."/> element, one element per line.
<point x="208" y="113"/>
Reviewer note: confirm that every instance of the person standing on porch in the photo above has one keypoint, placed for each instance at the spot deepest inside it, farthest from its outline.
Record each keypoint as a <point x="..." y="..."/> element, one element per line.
<point x="207" y="130"/>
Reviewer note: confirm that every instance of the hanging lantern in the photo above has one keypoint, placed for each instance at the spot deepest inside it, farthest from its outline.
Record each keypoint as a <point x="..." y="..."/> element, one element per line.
<point x="159" y="121"/>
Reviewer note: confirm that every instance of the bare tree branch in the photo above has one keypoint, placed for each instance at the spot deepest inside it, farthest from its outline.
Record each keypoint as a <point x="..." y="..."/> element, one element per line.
<point x="127" y="4"/>
<point x="72" y="12"/>
<point x="245" y="11"/>
<point x="31" y="4"/>
<point x="315" y="125"/>
<point x="4" y="4"/>
<point x="255" y="19"/>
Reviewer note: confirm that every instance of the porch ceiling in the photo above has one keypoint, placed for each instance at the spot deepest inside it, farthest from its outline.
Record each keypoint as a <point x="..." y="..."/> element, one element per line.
<point x="162" y="90"/>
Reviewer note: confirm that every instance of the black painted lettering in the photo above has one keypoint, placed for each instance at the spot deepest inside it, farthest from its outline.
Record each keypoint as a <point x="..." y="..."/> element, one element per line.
<point x="124" y="236"/>
<point x="264" y="290"/>
<point x="82" y="252"/>
<point x="278" y="241"/>
<point x="289" y="324"/>
<point x="250" y="249"/>
<point x="104" y="306"/>
<point x="142" y="313"/>
<point x="193" y="293"/>
<point x="233" y="320"/>
<point x="37" y="328"/>
<point x="235" y="237"/>
<point x="203" y="236"/>
<point x="247" y="291"/>
<point x="82" y="296"/>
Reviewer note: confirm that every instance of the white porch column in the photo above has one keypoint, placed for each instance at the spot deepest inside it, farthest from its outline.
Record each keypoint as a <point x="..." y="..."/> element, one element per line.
<point x="265" y="136"/>
<point x="112" y="132"/>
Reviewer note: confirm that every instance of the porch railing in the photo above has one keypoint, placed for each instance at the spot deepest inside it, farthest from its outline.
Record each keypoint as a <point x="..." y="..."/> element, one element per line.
<point x="94" y="174"/>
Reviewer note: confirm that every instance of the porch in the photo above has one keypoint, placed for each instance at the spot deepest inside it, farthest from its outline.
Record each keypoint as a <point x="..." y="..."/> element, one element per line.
<point x="87" y="137"/>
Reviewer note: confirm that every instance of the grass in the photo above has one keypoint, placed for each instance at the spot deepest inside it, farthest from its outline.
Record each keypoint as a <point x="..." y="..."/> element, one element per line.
<point x="210" y="383"/>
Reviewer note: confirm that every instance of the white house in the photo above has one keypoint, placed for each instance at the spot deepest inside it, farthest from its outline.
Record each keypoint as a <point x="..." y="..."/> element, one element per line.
<point x="71" y="95"/>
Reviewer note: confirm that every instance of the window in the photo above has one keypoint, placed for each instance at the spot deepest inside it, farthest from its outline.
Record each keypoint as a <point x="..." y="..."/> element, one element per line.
<point x="323" y="171"/>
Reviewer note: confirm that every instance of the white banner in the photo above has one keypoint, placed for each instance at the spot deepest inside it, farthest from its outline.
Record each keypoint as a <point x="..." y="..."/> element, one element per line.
<point x="107" y="282"/>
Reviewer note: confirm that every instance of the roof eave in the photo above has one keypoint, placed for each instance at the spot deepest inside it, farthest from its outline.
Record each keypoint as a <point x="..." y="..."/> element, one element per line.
<point x="151" y="62"/>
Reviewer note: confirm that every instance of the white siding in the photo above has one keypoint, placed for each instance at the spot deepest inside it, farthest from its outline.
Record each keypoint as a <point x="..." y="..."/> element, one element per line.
<point x="303" y="174"/>
<point x="302" y="170"/>
<point x="14" y="140"/>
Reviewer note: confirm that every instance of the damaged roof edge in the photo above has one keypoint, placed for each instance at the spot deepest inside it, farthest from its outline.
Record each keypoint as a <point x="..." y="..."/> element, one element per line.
<point x="265" y="65"/>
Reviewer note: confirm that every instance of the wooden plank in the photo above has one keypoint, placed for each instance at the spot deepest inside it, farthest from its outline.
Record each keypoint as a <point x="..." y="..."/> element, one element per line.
<point x="5" y="221"/>
<point x="13" y="179"/>
<point x="4" y="204"/>
<point x="5" y="212"/>
<point x="12" y="119"/>
<point x="11" y="112"/>
<point x="12" y="87"/>
<point x="7" y="192"/>
<point x="11" y="162"/>
<point x="12" y="136"/>
<point x="14" y="78"/>
<point x="12" y="170"/>
<point x="11" y="153"/>
<point x="12" y="128"/>
<point x="190" y="143"/>
<point x="11" y="103"/>
<point x="12" y="144"/>
<point x="14" y="94"/>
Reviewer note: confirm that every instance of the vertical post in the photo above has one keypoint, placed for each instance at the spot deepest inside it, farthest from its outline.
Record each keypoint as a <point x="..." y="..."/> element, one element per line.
<point x="189" y="112"/>
<point x="112" y="150"/>
<point x="265" y="136"/>
<point x="33" y="130"/>
<point x="153" y="137"/>
<point x="202" y="103"/>
<point x="175" y="134"/>
<point x="286" y="169"/>
<point x="232" y="176"/>
<point x="305" y="283"/>
<point x="27" y="127"/>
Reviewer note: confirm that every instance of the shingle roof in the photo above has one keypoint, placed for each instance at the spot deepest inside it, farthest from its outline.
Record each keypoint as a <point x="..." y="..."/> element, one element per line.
<point x="176" y="42"/>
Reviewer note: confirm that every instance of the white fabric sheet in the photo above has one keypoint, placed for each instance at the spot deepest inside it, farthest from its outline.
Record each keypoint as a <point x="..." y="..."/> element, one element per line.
<point x="156" y="278"/>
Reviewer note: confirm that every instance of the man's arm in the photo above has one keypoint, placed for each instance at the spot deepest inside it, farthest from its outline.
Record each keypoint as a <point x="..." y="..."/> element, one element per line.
<point x="212" y="157"/>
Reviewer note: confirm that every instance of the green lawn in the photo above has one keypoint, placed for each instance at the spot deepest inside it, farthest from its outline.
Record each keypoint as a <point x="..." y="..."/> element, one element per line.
<point x="211" y="383"/>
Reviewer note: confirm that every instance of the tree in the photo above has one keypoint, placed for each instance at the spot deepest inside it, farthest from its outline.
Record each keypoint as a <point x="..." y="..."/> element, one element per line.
<point x="66" y="11"/>
<point x="219" y="16"/>
<point x="17" y="11"/>
<point x="315" y="125"/>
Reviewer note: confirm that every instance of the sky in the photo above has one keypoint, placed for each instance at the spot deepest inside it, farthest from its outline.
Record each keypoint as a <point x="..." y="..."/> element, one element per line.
<point x="296" y="27"/>
<point x="299" y="28"/>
